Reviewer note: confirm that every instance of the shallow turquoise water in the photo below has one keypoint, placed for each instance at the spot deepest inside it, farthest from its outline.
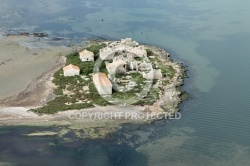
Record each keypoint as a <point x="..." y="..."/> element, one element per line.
<point x="211" y="37"/>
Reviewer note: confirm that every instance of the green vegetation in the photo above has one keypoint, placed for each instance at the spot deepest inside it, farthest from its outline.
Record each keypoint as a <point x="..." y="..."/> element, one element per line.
<point x="74" y="99"/>
<point x="149" y="52"/>
<point x="150" y="98"/>
<point x="102" y="68"/>
<point x="138" y="59"/>
<point x="137" y="77"/>
<point x="168" y="71"/>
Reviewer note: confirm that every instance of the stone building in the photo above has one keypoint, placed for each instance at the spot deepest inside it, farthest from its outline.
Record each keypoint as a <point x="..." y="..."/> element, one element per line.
<point x="86" y="56"/>
<point x="71" y="70"/>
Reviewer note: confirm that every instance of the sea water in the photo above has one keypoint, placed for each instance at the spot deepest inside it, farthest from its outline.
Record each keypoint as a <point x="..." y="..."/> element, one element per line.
<point x="211" y="37"/>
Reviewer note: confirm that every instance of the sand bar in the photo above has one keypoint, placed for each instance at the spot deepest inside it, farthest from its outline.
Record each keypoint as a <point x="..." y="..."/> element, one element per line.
<point x="21" y="62"/>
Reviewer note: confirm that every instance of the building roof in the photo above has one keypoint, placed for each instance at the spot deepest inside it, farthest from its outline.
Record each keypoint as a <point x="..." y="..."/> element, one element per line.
<point x="86" y="52"/>
<point x="101" y="79"/>
<point x="71" y="67"/>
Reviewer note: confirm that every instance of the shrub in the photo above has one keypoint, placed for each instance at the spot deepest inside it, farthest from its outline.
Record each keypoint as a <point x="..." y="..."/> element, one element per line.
<point x="149" y="52"/>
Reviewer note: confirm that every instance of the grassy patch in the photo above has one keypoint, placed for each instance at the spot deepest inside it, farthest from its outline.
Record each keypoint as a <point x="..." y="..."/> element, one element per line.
<point x="138" y="78"/>
<point x="168" y="71"/>
<point x="138" y="59"/>
<point x="66" y="101"/>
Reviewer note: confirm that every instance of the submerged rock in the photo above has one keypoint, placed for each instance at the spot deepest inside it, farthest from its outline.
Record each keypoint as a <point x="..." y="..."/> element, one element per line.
<point x="24" y="33"/>
<point x="40" y="34"/>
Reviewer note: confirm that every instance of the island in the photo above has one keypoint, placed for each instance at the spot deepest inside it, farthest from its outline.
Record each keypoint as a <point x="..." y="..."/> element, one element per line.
<point x="123" y="80"/>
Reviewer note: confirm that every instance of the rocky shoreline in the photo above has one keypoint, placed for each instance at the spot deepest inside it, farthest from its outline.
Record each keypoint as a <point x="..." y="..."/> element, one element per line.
<point x="170" y="100"/>
<point x="35" y="34"/>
